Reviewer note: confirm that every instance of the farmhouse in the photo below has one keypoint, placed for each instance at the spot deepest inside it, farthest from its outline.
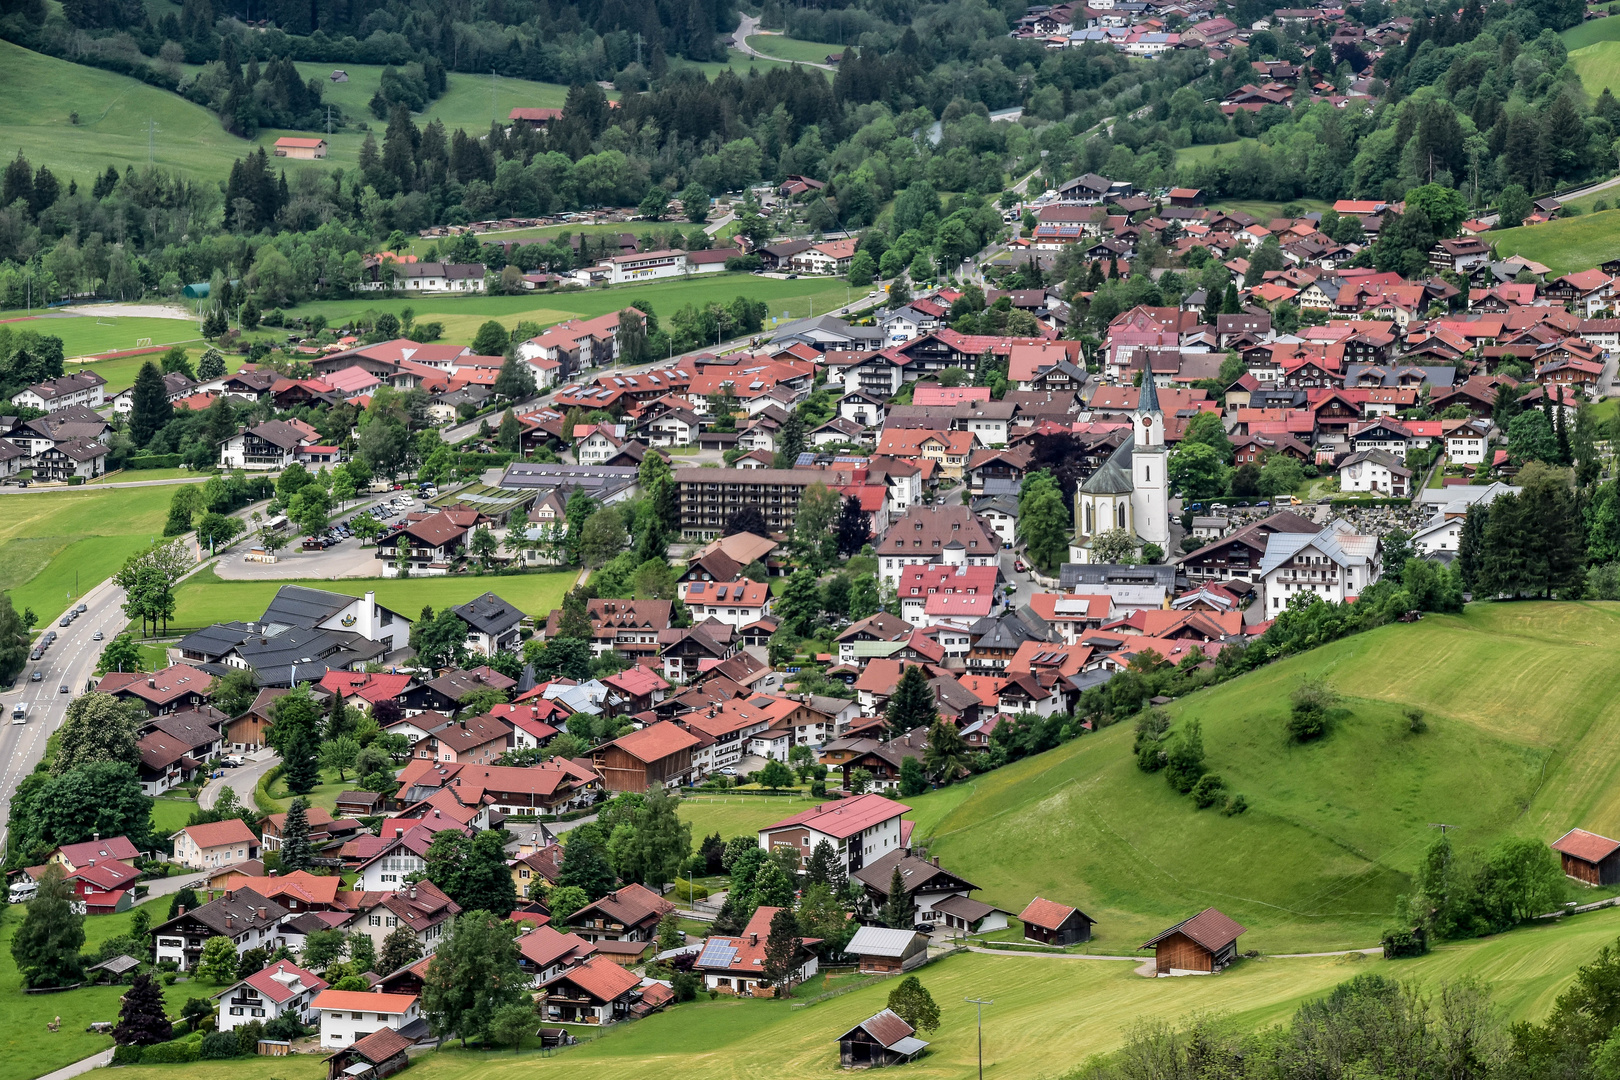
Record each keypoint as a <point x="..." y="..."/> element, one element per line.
<point x="1055" y="924"/>
<point x="660" y="754"/>
<point x="1588" y="857"/>
<point x="1203" y="944"/>
<point x="735" y="965"/>
<point x="289" y="146"/>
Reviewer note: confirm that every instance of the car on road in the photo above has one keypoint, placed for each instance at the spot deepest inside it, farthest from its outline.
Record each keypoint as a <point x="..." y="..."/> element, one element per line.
<point x="97" y="636"/>
<point x="82" y="608"/>
<point x="232" y="761"/>
<point x="37" y="676"/>
<point x="1020" y="565"/>
<point x="65" y="621"/>
<point x="62" y="689"/>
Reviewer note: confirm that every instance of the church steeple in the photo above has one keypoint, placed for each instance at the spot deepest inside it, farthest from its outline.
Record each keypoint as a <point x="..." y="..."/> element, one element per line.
<point x="1149" y="425"/>
<point x="1149" y="400"/>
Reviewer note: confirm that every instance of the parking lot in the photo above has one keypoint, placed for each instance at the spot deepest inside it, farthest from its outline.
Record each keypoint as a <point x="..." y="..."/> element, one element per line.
<point x="344" y="559"/>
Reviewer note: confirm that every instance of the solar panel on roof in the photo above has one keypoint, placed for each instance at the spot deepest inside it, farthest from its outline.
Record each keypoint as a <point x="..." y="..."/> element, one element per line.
<point x="717" y="954"/>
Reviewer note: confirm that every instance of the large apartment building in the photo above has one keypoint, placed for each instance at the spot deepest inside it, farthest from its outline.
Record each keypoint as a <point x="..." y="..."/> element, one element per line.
<point x="709" y="496"/>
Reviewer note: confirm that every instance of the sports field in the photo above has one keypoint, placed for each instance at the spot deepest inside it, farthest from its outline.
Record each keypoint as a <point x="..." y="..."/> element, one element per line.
<point x="85" y="333"/>
<point x="1523" y="738"/>
<point x="203" y="598"/>
<point x="737" y="815"/>
<point x="66" y="542"/>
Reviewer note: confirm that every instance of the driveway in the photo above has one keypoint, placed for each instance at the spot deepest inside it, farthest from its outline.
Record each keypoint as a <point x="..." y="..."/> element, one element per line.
<point x="242" y="780"/>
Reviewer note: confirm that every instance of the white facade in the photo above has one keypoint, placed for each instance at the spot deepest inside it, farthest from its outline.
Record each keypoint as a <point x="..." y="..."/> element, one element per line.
<point x="1150" y="501"/>
<point x="1370" y="475"/>
<point x="244" y="1003"/>
<point x="340" y="1027"/>
<point x="1466" y="448"/>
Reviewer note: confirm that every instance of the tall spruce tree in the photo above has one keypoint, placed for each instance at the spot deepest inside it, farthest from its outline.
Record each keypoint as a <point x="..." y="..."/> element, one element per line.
<point x="296" y="851"/>
<point x="912" y="704"/>
<point x="149" y="405"/>
<point x="896" y="912"/>
<point x="142" y="1018"/>
<point x="781" y="952"/>
<point x="46" y="945"/>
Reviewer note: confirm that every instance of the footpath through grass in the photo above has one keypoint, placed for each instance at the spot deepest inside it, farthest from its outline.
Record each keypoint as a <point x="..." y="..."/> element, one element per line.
<point x="1523" y="738"/>
<point x="204" y="598"/>
<point x="61" y="543"/>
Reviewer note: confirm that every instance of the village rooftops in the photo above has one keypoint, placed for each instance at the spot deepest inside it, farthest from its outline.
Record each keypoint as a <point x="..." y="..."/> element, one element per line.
<point x="845" y="818"/>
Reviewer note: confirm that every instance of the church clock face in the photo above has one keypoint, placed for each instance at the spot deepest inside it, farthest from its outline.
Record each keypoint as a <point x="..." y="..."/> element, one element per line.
<point x="1147" y="422"/>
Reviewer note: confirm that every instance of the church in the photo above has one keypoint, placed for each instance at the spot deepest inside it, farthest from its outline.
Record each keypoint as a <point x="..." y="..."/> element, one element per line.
<point x="1130" y="490"/>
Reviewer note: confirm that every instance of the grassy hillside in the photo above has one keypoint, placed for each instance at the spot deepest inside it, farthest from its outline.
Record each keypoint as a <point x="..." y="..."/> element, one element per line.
<point x="805" y="52"/>
<point x="1522" y="739"/>
<point x="1049" y="1015"/>
<point x="41" y="93"/>
<point x="1568" y="244"/>
<point x="1598" y="64"/>
<point x="1201" y="155"/>
<point x="1591" y="33"/>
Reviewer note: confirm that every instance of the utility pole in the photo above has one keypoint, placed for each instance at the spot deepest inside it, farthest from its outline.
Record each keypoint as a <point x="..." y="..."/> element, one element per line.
<point x="981" y="1003"/>
<point x="494" y="96"/>
<point x="1441" y="827"/>
<point x="638" y="46"/>
<point x="329" y="119"/>
<point x="151" y="132"/>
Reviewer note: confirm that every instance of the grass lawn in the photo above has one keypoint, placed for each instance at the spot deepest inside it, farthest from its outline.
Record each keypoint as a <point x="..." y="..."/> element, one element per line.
<point x="324" y="796"/>
<point x="738" y="814"/>
<point x="1591" y="33"/>
<point x="735" y="61"/>
<point x="1267" y="210"/>
<point x="171" y="815"/>
<point x="1334" y="829"/>
<point x="27" y="1049"/>
<point x="204" y="598"/>
<point x="463" y="315"/>
<point x="130" y="476"/>
<point x="1568" y="244"/>
<point x="61" y="543"/>
<point x="1050" y="1014"/>
<point x="1202" y="155"/>
<point x="779" y="45"/>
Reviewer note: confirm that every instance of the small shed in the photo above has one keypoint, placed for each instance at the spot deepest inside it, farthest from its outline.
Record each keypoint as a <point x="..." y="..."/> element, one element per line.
<point x="339" y="75"/>
<point x="883" y="950"/>
<point x="1052" y="923"/>
<point x="879" y="1040"/>
<point x="1205" y="944"/>
<point x="1588" y="857"/>
<point x="971" y="916"/>
<point x="382" y="1053"/>
<point x="359" y="804"/>
<point x="556" y="1036"/>
<point x="113" y="969"/>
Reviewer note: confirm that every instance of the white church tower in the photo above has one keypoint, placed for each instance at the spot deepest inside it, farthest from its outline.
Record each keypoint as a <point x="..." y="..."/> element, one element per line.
<point x="1150" y="478"/>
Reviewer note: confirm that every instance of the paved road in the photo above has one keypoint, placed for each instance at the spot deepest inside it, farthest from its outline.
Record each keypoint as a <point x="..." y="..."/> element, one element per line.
<point x="70" y="662"/>
<point x="94" y="1061"/>
<point x="242" y="780"/>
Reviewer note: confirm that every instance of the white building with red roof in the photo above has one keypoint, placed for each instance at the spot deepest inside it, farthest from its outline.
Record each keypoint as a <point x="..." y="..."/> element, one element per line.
<point x="282" y="988"/>
<point x="736" y="965"/>
<point x="859" y="829"/>
<point x="216" y="844"/>
<point x="347" y="1015"/>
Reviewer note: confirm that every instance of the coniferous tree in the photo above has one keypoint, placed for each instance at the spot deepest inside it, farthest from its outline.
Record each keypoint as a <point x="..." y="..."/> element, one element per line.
<point x="912" y="705"/>
<point x="854" y="527"/>
<point x="296" y="852"/>
<point x="400" y="948"/>
<point x="947" y="754"/>
<point x="781" y="950"/>
<point x="1561" y="432"/>
<point x="149" y="405"/>
<point x="1470" y="544"/>
<point x="896" y="912"/>
<point x="585" y="865"/>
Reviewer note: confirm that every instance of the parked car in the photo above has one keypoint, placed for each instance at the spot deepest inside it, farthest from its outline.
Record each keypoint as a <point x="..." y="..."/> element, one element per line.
<point x="1020" y="565"/>
<point x="82" y="608"/>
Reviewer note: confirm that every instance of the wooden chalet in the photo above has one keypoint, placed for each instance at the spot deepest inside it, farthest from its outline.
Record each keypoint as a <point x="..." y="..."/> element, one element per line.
<point x="380" y="1054"/>
<point x="1588" y="857"/>
<point x="1052" y="923"/>
<point x="887" y="952"/>
<point x="1205" y="943"/>
<point x="655" y="756"/>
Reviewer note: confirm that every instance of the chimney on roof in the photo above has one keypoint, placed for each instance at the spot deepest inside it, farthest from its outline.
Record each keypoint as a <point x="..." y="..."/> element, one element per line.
<point x="181" y="910"/>
<point x="230" y="921"/>
<point x="753" y="939"/>
<point x="92" y="862"/>
<point x="95" y="836"/>
<point x="152" y="682"/>
<point x="398" y="832"/>
<point x="264" y="913"/>
<point x="413" y="892"/>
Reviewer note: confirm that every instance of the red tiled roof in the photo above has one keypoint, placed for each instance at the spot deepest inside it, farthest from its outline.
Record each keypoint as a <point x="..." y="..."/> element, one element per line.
<point x="599" y="977"/>
<point x="1586" y="846"/>
<point x="362" y="1001"/>
<point x="844" y="818"/>
<point x="1209" y="928"/>
<point x="220" y="833"/>
<point x="656" y="742"/>
<point x="1047" y="914"/>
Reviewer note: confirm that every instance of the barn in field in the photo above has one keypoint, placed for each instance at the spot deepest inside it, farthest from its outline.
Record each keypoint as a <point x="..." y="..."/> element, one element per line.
<point x="1204" y="944"/>
<point x="1588" y="857"/>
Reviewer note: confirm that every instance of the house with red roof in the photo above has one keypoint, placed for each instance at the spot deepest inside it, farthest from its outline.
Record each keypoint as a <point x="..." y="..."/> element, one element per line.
<point x="544" y="953"/>
<point x="659" y="754"/>
<point x="859" y="829"/>
<point x="597" y="991"/>
<point x="216" y="844"/>
<point x="735" y="965"/>
<point x="348" y="1016"/>
<point x="281" y="989"/>
<point x="177" y="687"/>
